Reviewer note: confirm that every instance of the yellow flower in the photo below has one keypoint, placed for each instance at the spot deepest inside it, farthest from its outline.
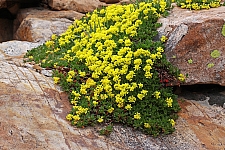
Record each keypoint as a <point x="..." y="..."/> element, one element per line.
<point x="127" y="42"/>
<point x="120" y="41"/>
<point x="110" y="110"/>
<point x="160" y="49"/>
<point x="102" y="11"/>
<point x="76" y="94"/>
<point x="157" y="94"/>
<point x="146" y="11"/>
<point x="56" y="80"/>
<point x="130" y="75"/>
<point x="131" y="99"/>
<point x="163" y="38"/>
<point x="83" y="89"/>
<point x="71" y="73"/>
<point x="136" y="67"/>
<point x="76" y="117"/>
<point x="74" y="102"/>
<point x="95" y="103"/>
<point x="147" y="68"/>
<point x="140" y="96"/>
<point x="144" y="92"/>
<point x="120" y="105"/>
<point x="149" y="62"/>
<point x="31" y="57"/>
<point x="137" y="61"/>
<point x="128" y="107"/>
<point x="140" y="85"/>
<point x="49" y="43"/>
<point x="56" y="50"/>
<point x="169" y="101"/>
<point x="183" y="5"/>
<point x="137" y="115"/>
<point x="44" y="60"/>
<point x="172" y="122"/>
<point x="148" y="74"/>
<point x="82" y="74"/>
<point x="138" y="22"/>
<point x="90" y="82"/>
<point x="100" y="119"/>
<point x="147" y="125"/>
<point x="88" y="98"/>
<point x="69" y="79"/>
<point x="188" y="1"/>
<point x="181" y="77"/>
<point x="69" y="117"/>
<point x="53" y="37"/>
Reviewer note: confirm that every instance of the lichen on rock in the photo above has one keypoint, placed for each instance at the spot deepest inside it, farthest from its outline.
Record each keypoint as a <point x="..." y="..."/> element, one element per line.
<point x="223" y="30"/>
<point x="215" y="54"/>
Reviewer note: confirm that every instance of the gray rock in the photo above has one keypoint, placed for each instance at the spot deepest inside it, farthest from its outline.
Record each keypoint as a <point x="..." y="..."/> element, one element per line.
<point x="17" y="48"/>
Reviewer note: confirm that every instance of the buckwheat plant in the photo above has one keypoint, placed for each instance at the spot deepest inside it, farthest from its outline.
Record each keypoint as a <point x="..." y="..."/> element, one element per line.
<point x="198" y="4"/>
<point x="114" y="70"/>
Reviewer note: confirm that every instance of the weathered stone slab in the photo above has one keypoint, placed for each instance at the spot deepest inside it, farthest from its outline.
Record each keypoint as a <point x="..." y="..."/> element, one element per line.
<point x="37" y="25"/>
<point x="83" y="6"/>
<point x="17" y="48"/>
<point x="192" y="37"/>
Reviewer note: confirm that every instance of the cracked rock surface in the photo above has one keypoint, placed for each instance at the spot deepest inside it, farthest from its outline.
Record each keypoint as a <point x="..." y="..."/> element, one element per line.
<point x="33" y="110"/>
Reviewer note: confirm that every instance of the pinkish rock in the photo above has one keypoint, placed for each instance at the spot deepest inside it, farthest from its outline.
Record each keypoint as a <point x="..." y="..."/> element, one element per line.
<point x="82" y="6"/>
<point x="37" y="25"/>
<point x="192" y="37"/>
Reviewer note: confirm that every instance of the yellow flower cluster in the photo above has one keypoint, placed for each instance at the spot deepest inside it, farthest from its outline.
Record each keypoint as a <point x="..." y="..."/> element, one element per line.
<point x="49" y="43"/>
<point x="80" y="110"/>
<point x="163" y="38"/>
<point x="147" y="125"/>
<point x="172" y="122"/>
<point x="196" y="5"/>
<point x="71" y="74"/>
<point x="100" y="119"/>
<point x="56" y="79"/>
<point x="169" y="101"/>
<point x="110" y="110"/>
<point x="112" y="64"/>
<point x="181" y="78"/>
<point x="106" y="65"/>
<point x="157" y="94"/>
<point x="137" y="115"/>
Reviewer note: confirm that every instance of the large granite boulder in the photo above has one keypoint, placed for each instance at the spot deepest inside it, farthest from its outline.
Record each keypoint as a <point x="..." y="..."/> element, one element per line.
<point x="37" y="25"/>
<point x="195" y="44"/>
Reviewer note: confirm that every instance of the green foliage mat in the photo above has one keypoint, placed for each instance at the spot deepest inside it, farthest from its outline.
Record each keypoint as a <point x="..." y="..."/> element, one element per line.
<point x="114" y="70"/>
